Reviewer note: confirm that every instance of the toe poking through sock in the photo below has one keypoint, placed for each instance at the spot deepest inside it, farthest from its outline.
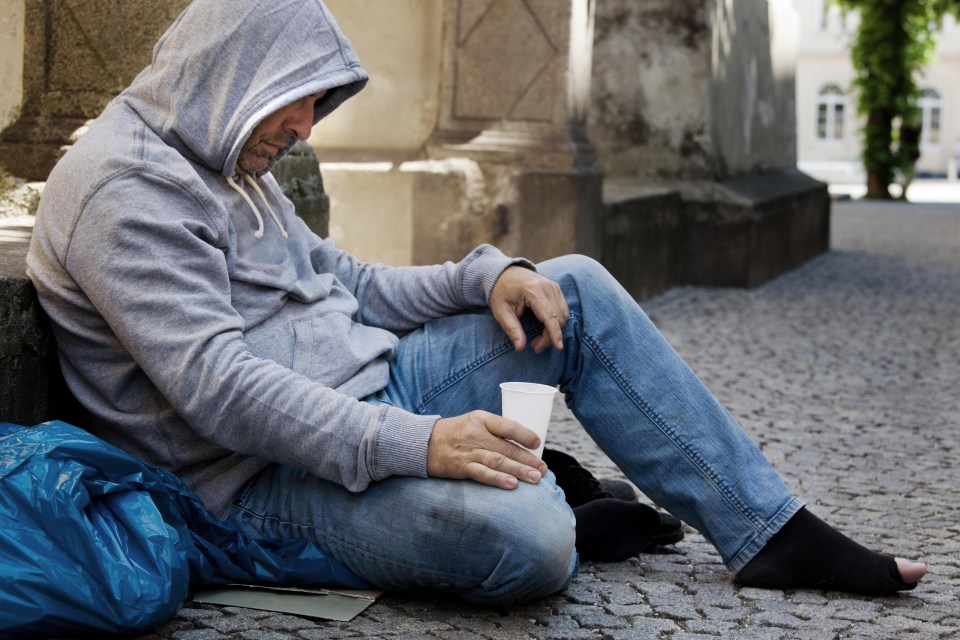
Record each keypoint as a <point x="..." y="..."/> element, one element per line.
<point x="910" y="572"/>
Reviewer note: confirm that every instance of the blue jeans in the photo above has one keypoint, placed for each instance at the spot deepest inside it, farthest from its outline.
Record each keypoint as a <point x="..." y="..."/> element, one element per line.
<point x="628" y="388"/>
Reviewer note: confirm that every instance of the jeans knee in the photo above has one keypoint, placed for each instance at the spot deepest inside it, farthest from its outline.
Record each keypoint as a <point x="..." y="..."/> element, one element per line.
<point x="535" y="550"/>
<point x="573" y="264"/>
<point x="579" y="275"/>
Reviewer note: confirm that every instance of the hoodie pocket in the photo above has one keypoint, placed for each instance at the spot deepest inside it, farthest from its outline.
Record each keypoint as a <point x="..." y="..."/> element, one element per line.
<point x="331" y="349"/>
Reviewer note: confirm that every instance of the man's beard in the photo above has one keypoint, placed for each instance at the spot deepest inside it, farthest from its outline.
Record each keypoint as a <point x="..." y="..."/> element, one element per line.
<point x="252" y="161"/>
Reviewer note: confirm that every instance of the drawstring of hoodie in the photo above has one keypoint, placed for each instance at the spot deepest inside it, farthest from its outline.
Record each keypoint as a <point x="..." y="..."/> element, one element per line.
<point x="256" y="212"/>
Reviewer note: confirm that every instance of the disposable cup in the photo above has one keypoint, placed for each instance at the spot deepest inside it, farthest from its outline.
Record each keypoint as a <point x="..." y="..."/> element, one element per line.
<point x="530" y="404"/>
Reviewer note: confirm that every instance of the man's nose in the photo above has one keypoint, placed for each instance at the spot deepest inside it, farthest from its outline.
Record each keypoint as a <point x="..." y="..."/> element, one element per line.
<point x="300" y="120"/>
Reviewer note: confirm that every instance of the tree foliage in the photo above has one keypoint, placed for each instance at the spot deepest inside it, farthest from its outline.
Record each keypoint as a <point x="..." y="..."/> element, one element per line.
<point x="894" y="42"/>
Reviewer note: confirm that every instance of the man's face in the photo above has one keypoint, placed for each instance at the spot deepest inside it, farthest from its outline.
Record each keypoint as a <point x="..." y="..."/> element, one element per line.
<point x="276" y="132"/>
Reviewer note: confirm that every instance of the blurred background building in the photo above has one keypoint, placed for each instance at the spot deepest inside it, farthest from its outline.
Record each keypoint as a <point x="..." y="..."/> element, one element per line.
<point x="828" y="139"/>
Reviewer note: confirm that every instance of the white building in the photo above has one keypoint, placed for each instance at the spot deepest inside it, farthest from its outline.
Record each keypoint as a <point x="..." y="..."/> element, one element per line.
<point x="828" y="136"/>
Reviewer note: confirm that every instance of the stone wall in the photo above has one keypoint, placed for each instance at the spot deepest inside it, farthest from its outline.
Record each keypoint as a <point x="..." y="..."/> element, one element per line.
<point x="650" y="97"/>
<point x="691" y="89"/>
<point x="31" y="387"/>
<point x="76" y="57"/>
<point x="696" y="97"/>
<point x="11" y="59"/>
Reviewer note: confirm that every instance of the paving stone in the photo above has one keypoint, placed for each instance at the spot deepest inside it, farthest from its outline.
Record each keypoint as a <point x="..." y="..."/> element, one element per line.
<point x="569" y="634"/>
<point x="750" y="593"/>
<point x="229" y="624"/>
<point x="198" y="634"/>
<point x="265" y="635"/>
<point x="327" y="633"/>
<point x="197" y="614"/>
<point x="599" y="620"/>
<point x="254" y="614"/>
<point x="759" y="633"/>
<point x="711" y="626"/>
<point x="629" y="610"/>
<point x="784" y="620"/>
<point x="637" y="633"/>
<point x="719" y="615"/>
<point x="620" y="593"/>
<point x="287" y="623"/>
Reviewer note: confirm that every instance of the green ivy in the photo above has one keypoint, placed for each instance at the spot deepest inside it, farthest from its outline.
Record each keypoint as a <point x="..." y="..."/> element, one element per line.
<point x="894" y="42"/>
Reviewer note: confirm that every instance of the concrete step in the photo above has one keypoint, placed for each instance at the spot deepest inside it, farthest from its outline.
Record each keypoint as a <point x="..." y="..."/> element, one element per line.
<point x="736" y="233"/>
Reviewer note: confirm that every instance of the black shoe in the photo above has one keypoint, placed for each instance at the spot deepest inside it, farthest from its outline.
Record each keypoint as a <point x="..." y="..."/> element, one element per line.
<point x="579" y="485"/>
<point x="618" y="489"/>
<point x="611" y="530"/>
<point x="669" y="532"/>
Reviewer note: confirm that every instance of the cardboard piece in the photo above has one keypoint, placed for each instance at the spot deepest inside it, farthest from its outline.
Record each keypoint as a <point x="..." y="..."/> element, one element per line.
<point x="341" y="605"/>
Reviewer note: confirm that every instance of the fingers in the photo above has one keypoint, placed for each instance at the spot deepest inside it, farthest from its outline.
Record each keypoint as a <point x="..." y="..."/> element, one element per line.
<point x="552" y="311"/>
<point x="519" y="289"/>
<point x="509" y="321"/>
<point x="505" y="429"/>
<point x="498" y="470"/>
<point x="508" y="457"/>
<point x="473" y="446"/>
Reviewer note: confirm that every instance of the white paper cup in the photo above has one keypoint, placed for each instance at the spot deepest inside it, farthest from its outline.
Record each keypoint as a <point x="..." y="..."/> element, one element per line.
<point x="530" y="404"/>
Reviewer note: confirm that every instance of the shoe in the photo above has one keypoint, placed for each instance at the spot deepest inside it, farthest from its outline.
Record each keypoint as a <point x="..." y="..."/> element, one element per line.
<point x="670" y="531"/>
<point x="611" y="530"/>
<point x="579" y="485"/>
<point x="618" y="489"/>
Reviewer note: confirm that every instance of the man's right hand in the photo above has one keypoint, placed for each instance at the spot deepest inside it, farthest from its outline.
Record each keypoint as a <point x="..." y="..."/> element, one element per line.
<point x="474" y="446"/>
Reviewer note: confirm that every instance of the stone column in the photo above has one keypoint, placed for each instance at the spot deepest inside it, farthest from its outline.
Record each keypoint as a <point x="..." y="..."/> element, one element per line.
<point x="515" y="89"/>
<point x="11" y="59"/>
<point x="471" y="130"/>
<point x="696" y="98"/>
<point x="77" y="55"/>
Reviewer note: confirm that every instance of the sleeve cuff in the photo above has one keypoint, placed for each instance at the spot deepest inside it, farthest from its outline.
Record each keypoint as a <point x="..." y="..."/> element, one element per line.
<point x="401" y="445"/>
<point x="480" y="270"/>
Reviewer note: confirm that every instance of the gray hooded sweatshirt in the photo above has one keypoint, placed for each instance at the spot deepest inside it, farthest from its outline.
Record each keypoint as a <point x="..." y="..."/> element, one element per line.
<point x="201" y="323"/>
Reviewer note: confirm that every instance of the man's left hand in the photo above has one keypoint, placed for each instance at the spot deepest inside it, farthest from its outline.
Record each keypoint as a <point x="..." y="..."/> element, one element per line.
<point x="518" y="289"/>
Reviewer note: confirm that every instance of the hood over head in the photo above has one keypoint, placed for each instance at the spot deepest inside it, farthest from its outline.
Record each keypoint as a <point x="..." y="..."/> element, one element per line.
<point x="224" y="66"/>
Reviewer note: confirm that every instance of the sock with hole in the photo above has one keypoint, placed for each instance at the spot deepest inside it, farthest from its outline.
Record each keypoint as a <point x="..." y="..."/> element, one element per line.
<point x="809" y="553"/>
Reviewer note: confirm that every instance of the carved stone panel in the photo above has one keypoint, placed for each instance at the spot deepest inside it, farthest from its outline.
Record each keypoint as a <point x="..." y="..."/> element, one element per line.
<point x="507" y="74"/>
<point x="506" y="62"/>
<point x="78" y="54"/>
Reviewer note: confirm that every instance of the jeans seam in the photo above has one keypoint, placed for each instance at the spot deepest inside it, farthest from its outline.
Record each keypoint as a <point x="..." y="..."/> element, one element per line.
<point x="698" y="461"/>
<point x="317" y="535"/>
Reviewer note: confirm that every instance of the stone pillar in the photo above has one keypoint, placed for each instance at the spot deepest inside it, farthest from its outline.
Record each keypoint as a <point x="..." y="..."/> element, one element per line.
<point x="515" y="89"/>
<point x="471" y="130"/>
<point x="11" y="59"/>
<point x="77" y="55"/>
<point x="298" y="174"/>
<point x="697" y="97"/>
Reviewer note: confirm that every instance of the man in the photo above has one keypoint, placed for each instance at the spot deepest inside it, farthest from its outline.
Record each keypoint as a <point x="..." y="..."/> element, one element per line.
<point x="209" y="332"/>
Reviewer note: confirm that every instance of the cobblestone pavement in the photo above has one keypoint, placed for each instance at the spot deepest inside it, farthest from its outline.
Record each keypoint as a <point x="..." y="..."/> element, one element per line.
<point x="846" y="372"/>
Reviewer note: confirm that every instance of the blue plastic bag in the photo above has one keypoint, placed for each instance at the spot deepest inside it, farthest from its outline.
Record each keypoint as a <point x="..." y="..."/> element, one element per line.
<point x="92" y="539"/>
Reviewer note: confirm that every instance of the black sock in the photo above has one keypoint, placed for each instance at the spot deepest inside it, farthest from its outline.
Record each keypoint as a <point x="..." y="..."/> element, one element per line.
<point x="809" y="553"/>
<point x="611" y="530"/>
